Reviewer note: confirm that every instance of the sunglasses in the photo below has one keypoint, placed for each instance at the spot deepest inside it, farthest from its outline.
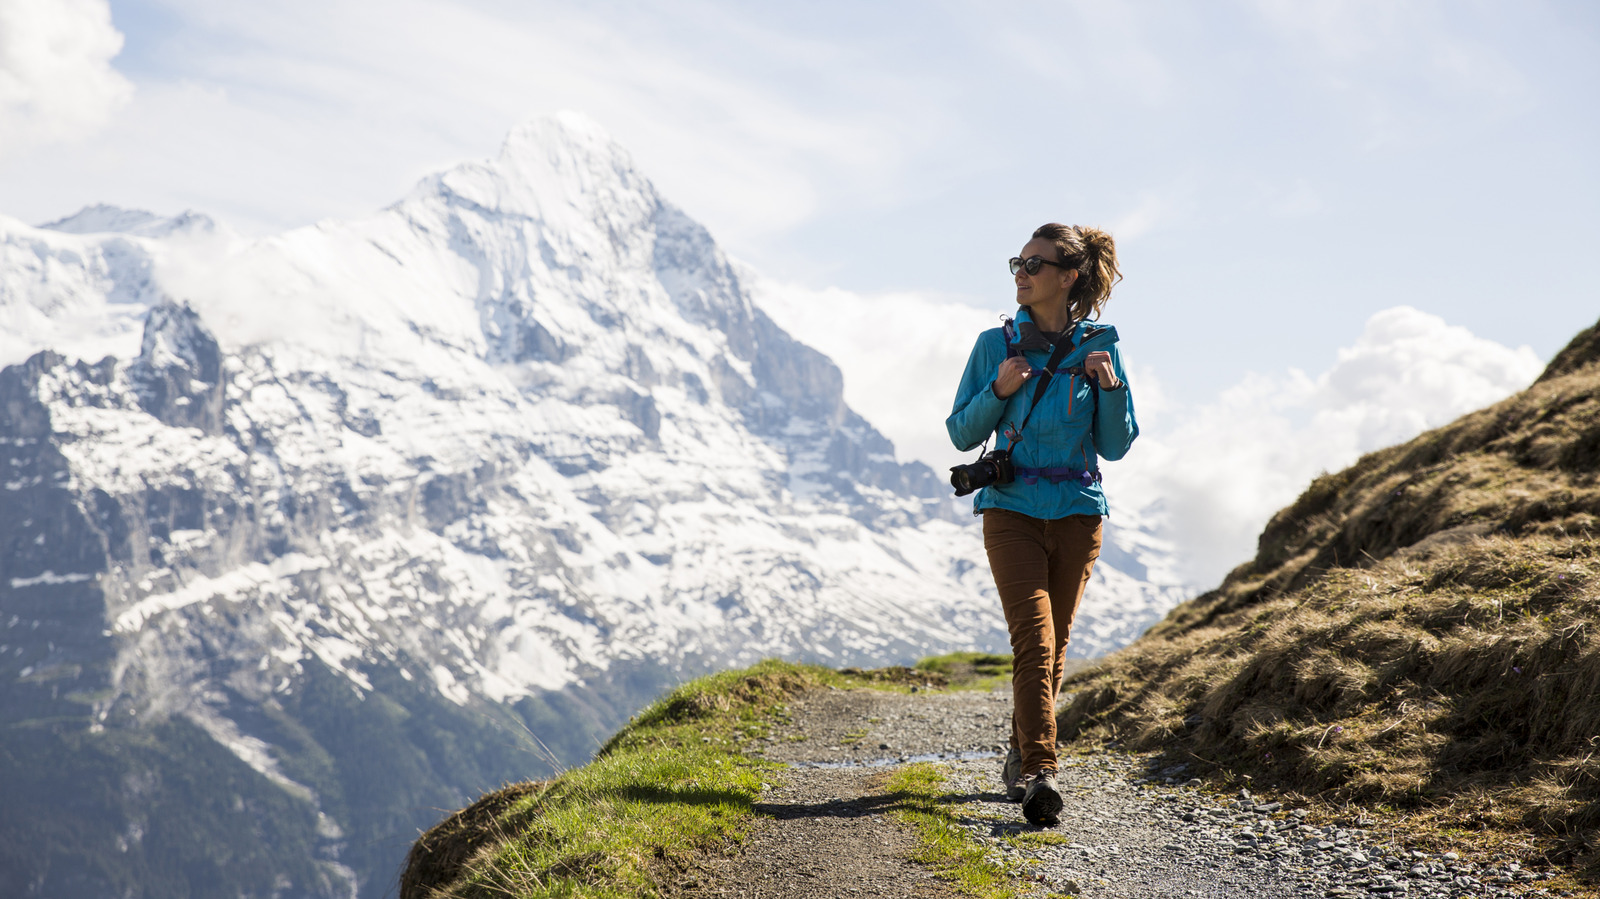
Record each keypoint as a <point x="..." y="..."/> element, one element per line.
<point x="1031" y="264"/>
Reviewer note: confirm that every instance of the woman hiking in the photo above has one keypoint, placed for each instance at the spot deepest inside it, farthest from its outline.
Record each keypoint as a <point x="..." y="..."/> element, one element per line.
<point x="1050" y="388"/>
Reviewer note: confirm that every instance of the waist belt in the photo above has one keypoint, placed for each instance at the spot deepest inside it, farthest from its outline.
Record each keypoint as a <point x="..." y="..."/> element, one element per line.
<point x="1031" y="476"/>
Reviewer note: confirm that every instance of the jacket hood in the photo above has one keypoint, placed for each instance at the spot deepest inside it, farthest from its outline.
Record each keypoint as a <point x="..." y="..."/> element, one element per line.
<point x="1029" y="337"/>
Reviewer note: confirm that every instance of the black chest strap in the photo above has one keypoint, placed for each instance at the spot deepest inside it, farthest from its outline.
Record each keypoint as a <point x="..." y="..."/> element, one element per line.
<point x="1063" y="347"/>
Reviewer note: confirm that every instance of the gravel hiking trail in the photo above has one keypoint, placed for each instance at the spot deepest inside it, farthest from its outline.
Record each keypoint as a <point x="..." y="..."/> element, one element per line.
<point x="826" y="827"/>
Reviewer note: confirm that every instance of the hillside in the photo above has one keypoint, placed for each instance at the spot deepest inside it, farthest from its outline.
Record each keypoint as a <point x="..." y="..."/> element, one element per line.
<point x="1419" y="633"/>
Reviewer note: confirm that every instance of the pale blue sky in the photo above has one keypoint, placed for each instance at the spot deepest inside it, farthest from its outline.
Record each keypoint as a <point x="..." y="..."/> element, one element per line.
<point x="1276" y="171"/>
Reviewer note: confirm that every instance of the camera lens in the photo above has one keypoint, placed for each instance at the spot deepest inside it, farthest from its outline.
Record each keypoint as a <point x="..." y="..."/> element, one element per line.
<point x="961" y="481"/>
<point x="969" y="477"/>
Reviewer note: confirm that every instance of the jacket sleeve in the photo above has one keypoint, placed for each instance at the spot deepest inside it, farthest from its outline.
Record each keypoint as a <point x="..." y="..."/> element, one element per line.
<point x="1115" y="426"/>
<point x="977" y="410"/>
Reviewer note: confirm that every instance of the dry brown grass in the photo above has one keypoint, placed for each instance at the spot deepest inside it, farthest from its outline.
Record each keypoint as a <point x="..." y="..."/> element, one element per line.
<point x="1419" y="633"/>
<point x="438" y="857"/>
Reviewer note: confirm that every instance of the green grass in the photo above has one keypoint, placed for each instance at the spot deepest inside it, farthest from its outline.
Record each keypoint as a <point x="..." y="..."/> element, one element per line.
<point x="669" y="785"/>
<point x="969" y="670"/>
<point x="948" y="848"/>
<point x="1038" y="840"/>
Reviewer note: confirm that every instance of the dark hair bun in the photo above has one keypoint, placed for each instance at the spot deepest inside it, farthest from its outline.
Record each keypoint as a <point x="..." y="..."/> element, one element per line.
<point x="1095" y="254"/>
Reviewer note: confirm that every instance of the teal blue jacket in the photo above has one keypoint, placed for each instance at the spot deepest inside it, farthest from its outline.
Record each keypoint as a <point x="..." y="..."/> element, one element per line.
<point x="1070" y="430"/>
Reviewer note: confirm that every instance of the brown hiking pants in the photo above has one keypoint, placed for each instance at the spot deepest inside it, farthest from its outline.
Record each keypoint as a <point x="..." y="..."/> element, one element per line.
<point x="1040" y="568"/>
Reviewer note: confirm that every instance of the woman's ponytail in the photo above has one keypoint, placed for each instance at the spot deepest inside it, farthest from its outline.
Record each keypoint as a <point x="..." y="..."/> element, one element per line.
<point x="1094" y="254"/>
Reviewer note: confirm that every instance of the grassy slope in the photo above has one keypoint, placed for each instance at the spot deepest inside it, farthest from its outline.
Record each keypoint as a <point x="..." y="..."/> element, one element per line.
<point x="1419" y="633"/>
<point x="674" y="783"/>
<point x="670" y="783"/>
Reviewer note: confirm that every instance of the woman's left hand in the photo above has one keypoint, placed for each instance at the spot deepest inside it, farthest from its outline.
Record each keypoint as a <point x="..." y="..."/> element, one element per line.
<point x="1098" y="366"/>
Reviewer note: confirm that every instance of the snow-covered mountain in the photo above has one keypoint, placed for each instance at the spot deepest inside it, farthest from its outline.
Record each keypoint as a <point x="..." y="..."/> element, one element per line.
<point x="511" y="455"/>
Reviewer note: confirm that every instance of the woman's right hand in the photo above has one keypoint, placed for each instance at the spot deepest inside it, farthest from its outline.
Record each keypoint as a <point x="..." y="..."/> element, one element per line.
<point x="1014" y="372"/>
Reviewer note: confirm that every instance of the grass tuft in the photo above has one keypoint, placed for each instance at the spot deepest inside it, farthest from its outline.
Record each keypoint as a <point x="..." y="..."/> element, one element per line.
<point x="969" y="670"/>
<point x="947" y="847"/>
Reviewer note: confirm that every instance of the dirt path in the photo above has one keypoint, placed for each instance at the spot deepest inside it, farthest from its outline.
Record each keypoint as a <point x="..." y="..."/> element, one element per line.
<point x="827" y="837"/>
<point x="1127" y="833"/>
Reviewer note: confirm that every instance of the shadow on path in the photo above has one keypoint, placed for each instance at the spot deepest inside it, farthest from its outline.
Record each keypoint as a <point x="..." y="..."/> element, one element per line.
<point x="860" y="807"/>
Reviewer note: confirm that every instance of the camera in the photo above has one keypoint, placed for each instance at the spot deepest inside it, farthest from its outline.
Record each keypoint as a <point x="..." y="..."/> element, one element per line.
<point x="993" y="467"/>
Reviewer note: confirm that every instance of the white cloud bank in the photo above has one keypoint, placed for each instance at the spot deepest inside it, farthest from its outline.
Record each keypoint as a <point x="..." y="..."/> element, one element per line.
<point x="56" y="79"/>
<point x="1221" y="470"/>
<point x="1212" y="473"/>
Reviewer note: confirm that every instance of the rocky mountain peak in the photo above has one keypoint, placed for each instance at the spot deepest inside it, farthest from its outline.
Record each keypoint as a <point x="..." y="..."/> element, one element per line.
<point x="561" y="170"/>
<point x="178" y="374"/>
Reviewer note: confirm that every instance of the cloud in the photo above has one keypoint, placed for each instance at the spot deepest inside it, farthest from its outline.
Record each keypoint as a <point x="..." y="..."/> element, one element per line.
<point x="1210" y="475"/>
<point x="345" y="107"/>
<point x="1220" y="470"/>
<point x="56" y="79"/>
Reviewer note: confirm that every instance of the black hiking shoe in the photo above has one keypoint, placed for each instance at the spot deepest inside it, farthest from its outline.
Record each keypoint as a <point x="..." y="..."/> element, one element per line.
<point x="1041" y="799"/>
<point x="1011" y="775"/>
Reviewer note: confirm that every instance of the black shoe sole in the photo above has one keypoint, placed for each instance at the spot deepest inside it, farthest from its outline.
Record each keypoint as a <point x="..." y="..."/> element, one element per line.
<point x="1043" y="809"/>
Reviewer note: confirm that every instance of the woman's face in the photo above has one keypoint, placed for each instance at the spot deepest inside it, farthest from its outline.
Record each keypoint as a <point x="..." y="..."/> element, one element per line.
<point x="1049" y="284"/>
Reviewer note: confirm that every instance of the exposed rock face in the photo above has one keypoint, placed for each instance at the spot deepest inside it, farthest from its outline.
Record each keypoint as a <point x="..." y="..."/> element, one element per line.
<point x="178" y="375"/>
<point x="54" y="547"/>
